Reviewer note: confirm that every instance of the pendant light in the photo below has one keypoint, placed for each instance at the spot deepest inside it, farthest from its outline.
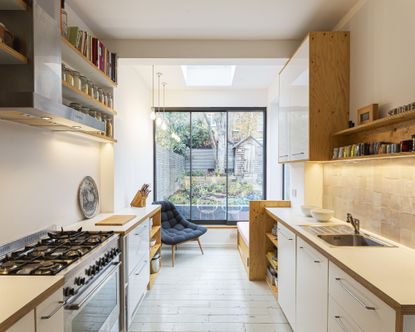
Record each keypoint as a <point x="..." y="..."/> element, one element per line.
<point x="164" y="120"/>
<point x="159" y="120"/>
<point x="153" y="111"/>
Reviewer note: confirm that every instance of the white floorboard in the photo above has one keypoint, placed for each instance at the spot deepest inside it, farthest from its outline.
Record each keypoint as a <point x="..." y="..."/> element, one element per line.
<point x="208" y="293"/>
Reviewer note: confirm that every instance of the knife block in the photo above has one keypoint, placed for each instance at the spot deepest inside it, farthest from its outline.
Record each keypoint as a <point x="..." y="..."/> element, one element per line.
<point x="139" y="200"/>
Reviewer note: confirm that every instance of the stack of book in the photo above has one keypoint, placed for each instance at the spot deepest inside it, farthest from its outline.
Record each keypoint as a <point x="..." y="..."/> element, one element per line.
<point x="94" y="50"/>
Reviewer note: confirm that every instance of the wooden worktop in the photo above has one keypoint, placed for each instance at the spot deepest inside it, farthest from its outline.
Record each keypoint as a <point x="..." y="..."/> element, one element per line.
<point x="388" y="272"/>
<point x="141" y="215"/>
<point x="21" y="294"/>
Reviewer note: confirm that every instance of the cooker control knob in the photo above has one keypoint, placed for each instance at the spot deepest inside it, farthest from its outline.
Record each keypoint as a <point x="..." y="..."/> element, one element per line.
<point x="82" y="281"/>
<point x="68" y="291"/>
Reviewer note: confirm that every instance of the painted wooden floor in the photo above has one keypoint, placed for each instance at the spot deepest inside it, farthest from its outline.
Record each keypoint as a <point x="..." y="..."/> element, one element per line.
<point x="208" y="293"/>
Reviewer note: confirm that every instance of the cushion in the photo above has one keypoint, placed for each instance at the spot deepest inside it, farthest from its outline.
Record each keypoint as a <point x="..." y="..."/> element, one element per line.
<point x="243" y="228"/>
<point x="174" y="228"/>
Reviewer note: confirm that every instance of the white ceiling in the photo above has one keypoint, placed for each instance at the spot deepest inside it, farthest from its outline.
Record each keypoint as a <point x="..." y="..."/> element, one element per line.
<point x="246" y="77"/>
<point x="210" y="19"/>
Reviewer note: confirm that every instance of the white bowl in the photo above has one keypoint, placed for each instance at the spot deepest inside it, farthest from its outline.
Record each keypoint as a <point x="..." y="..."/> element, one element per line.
<point x="322" y="215"/>
<point x="306" y="209"/>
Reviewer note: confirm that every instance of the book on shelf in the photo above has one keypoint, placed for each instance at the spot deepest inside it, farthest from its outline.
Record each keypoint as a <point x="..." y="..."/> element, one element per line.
<point x="94" y="50"/>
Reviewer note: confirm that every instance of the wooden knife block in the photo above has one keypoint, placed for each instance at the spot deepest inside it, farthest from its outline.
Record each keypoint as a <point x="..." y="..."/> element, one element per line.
<point x="139" y="200"/>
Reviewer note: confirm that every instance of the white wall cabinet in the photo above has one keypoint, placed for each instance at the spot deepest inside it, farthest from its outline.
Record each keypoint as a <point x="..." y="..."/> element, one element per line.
<point x="312" y="289"/>
<point x="313" y="97"/>
<point x="287" y="272"/>
<point x="26" y="324"/>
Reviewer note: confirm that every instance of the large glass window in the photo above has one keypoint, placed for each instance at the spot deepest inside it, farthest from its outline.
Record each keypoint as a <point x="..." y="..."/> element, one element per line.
<point x="210" y="164"/>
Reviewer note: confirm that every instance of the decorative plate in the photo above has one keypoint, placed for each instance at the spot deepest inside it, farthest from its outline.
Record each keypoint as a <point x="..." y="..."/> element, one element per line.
<point x="88" y="197"/>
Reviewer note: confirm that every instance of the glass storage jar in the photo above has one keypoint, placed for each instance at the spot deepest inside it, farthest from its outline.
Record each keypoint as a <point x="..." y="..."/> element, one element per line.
<point x="108" y="127"/>
<point x="84" y="84"/>
<point x="69" y="76"/>
<point x="110" y="101"/>
<point x="63" y="72"/>
<point x="77" y="80"/>
<point x="75" y="106"/>
<point x="93" y="113"/>
<point x="90" y="88"/>
<point x="96" y="93"/>
<point x="101" y="95"/>
<point x="85" y="109"/>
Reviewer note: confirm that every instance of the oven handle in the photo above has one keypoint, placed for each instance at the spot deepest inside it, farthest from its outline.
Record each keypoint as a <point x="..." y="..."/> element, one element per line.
<point x="61" y="304"/>
<point x="77" y="306"/>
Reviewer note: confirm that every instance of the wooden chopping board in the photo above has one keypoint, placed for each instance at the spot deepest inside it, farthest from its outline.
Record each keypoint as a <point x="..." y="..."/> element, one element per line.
<point x="116" y="220"/>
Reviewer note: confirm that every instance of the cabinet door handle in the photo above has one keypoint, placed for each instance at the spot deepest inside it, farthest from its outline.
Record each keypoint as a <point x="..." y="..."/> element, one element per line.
<point x="298" y="154"/>
<point x="142" y="268"/>
<point x="284" y="156"/>
<point x="339" y="322"/>
<point x="54" y="311"/>
<point x="348" y="291"/>
<point x="312" y="257"/>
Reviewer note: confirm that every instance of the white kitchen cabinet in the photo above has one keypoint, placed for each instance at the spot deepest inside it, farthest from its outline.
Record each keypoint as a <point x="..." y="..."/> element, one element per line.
<point x="24" y="324"/>
<point x="287" y="272"/>
<point x="137" y="271"/>
<point x="312" y="289"/>
<point x="339" y="320"/>
<point x="314" y="97"/>
<point x="366" y="309"/>
<point x="49" y="314"/>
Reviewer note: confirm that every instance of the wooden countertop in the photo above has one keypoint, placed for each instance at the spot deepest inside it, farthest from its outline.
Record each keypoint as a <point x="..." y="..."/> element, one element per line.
<point x="141" y="214"/>
<point x="21" y="294"/>
<point x="389" y="273"/>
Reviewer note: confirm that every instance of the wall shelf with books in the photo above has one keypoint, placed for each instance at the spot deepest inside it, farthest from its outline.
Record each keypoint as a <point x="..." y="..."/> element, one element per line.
<point x="74" y="95"/>
<point x="74" y="58"/>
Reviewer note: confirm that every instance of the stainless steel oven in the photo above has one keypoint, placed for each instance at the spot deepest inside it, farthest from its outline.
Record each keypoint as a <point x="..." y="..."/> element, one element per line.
<point x="97" y="307"/>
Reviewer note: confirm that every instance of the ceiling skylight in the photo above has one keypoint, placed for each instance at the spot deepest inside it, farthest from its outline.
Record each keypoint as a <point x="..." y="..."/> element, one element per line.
<point x="208" y="75"/>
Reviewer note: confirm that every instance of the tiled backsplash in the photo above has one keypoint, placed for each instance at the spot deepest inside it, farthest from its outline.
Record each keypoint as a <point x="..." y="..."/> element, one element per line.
<point x="381" y="193"/>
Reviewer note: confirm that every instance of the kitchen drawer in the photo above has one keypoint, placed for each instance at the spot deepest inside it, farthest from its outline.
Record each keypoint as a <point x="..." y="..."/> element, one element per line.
<point x="49" y="314"/>
<point x="339" y="320"/>
<point x="138" y="243"/>
<point x="369" y="312"/>
<point x="26" y="324"/>
<point x="137" y="286"/>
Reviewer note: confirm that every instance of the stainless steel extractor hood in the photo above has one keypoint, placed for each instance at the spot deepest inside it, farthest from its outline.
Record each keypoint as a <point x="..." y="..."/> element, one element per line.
<point x="32" y="92"/>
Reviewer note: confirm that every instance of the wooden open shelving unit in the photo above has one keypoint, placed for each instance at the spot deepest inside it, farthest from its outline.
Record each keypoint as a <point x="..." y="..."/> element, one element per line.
<point x="75" y="95"/>
<point x="13" y="5"/>
<point x="9" y="56"/>
<point x="155" y="233"/>
<point x="74" y="58"/>
<point x="274" y="289"/>
<point x="393" y="129"/>
<point x="273" y="263"/>
<point x="272" y="238"/>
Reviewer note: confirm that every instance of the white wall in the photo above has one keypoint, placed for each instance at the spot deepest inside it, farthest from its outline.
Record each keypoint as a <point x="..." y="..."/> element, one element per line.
<point x="40" y="172"/>
<point x="216" y="98"/>
<point x="274" y="169"/>
<point x="133" y="159"/>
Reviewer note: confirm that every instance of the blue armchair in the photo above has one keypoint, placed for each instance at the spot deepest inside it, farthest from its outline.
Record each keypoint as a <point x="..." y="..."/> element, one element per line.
<point x="176" y="230"/>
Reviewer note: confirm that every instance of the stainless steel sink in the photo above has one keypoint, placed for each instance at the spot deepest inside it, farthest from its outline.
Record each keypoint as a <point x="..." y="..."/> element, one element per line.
<point x="353" y="240"/>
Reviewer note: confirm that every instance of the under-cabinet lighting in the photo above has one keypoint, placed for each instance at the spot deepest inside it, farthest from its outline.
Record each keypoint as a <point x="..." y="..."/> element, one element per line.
<point x="76" y="127"/>
<point x="47" y="118"/>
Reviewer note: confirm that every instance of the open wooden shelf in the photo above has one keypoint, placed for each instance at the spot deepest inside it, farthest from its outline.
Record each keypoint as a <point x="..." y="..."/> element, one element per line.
<point x="154" y="249"/>
<point x="9" y="56"/>
<point x="374" y="157"/>
<point x="272" y="238"/>
<point x="13" y="5"/>
<point x="273" y="263"/>
<point x="273" y="288"/>
<point x="73" y="94"/>
<point x="97" y="137"/>
<point x="74" y="58"/>
<point x="383" y="122"/>
<point x="154" y="231"/>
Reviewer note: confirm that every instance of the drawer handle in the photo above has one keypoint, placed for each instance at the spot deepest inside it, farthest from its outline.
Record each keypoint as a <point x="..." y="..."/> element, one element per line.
<point x="340" y="323"/>
<point x="288" y="238"/>
<point x="61" y="304"/>
<point x="298" y="154"/>
<point x="284" y="156"/>
<point x="348" y="291"/>
<point x="314" y="260"/>
<point x="142" y="268"/>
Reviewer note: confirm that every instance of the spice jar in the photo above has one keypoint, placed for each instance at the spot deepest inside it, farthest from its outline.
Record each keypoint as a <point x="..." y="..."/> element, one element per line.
<point x="96" y="93"/>
<point x="90" y="88"/>
<point x="110" y="101"/>
<point x="69" y="76"/>
<point x="93" y="113"/>
<point x="101" y="95"/>
<point x="77" y="80"/>
<point x="108" y="127"/>
<point x="106" y="99"/>
<point x="84" y="84"/>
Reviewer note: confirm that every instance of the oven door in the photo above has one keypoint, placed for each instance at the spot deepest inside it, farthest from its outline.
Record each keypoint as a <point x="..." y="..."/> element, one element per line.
<point x="97" y="309"/>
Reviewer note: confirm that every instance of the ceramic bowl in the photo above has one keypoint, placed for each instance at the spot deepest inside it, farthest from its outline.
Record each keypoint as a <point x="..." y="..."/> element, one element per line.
<point x="322" y="215"/>
<point x="306" y="209"/>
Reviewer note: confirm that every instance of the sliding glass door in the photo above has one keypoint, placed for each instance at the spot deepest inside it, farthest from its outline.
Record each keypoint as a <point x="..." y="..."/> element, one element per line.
<point x="210" y="163"/>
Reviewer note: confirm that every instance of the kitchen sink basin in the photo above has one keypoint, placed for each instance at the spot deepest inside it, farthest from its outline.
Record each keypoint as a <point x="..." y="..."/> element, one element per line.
<point x="353" y="240"/>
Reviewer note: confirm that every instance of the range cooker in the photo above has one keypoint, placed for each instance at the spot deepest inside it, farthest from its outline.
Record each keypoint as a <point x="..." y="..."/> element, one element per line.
<point x="90" y="265"/>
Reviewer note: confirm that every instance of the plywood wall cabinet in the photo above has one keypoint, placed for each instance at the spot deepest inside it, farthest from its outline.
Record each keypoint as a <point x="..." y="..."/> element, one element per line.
<point x="314" y="97"/>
